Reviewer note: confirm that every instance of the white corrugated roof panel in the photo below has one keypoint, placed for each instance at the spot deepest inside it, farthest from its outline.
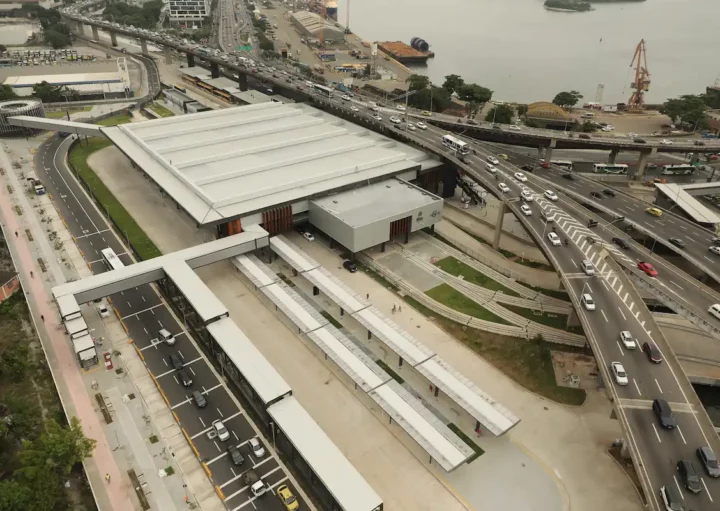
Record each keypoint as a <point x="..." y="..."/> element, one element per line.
<point x="74" y="326"/>
<point x="336" y="473"/>
<point x="492" y="415"/>
<point x="257" y="272"/>
<point x="204" y="301"/>
<point x="349" y="357"/>
<point x="336" y="290"/>
<point x="689" y="204"/>
<point x="255" y="368"/>
<point x="293" y="306"/>
<point x="411" y="350"/>
<point x="292" y="255"/>
<point x="83" y="343"/>
<point x="445" y="447"/>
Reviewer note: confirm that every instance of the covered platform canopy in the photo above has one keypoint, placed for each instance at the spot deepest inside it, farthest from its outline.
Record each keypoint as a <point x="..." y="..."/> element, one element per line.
<point x="683" y="195"/>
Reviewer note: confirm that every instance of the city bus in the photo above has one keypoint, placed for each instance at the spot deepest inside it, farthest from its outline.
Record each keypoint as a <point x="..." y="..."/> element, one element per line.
<point x="179" y="87"/>
<point x="112" y="261"/>
<point x="324" y="90"/>
<point x="563" y="164"/>
<point x="455" y="144"/>
<point x="677" y="170"/>
<point x="610" y="168"/>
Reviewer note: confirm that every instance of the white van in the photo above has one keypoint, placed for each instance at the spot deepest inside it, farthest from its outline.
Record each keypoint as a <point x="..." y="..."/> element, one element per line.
<point x="165" y="336"/>
<point x="587" y="115"/>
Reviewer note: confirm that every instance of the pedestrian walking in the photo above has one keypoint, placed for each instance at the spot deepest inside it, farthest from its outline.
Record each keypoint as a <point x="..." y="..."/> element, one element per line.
<point x="368" y="296"/>
<point x="107" y="478"/>
<point x="16" y="234"/>
<point x="400" y="308"/>
<point x="32" y="275"/>
<point x="42" y="317"/>
<point x="394" y="309"/>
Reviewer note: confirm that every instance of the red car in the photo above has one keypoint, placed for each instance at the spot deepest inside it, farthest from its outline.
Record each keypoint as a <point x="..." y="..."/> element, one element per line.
<point x="544" y="164"/>
<point x="648" y="269"/>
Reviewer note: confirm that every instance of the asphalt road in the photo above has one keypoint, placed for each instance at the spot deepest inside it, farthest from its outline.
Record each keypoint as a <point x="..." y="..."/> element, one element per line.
<point x="144" y="313"/>
<point x="659" y="450"/>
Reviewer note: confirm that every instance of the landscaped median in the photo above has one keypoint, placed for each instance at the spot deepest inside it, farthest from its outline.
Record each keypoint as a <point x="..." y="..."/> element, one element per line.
<point x="122" y="220"/>
<point x="160" y="110"/>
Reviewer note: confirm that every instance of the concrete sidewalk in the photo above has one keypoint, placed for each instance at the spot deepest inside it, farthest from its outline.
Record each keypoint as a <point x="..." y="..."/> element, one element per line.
<point x="484" y="253"/>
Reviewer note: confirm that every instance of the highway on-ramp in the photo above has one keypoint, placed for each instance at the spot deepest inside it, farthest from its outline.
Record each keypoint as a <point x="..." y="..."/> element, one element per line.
<point x="144" y="313"/>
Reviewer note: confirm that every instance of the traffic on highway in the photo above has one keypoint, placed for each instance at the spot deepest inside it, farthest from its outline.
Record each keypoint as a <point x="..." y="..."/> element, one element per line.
<point x="244" y="470"/>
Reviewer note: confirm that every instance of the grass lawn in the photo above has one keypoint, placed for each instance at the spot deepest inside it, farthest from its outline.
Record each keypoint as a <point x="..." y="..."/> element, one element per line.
<point x="461" y="303"/>
<point x="79" y="155"/>
<point x="161" y="110"/>
<point x="61" y="114"/>
<point x="554" y="320"/>
<point x="455" y="267"/>
<point x="526" y="362"/>
<point x="555" y="293"/>
<point x="122" y="118"/>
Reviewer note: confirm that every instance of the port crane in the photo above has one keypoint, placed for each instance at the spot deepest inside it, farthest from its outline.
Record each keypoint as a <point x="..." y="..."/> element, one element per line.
<point x="641" y="83"/>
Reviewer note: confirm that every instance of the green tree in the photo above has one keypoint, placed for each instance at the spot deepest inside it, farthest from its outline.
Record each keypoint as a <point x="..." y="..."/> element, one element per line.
<point x="3" y="47"/>
<point x="472" y="108"/>
<point x="432" y="98"/>
<point x="56" y="39"/>
<point x="588" y="127"/>
<point x="474" y="92"/>
<point x="453" y="83"/>
<point x="567" y="98"/>
<point x="502" y="114"/>
<point x="52" y="93"/>
<point x="688" y="109"/>
<point x="522" y="110"/>
<point x="418" y="82"/>
<point x="6" y="92"/>
<point x="14" y="496"/>
<point x="57" y="448"/>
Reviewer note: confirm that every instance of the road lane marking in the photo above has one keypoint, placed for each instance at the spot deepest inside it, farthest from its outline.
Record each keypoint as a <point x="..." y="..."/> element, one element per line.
<point x="619" y="347"/>
<point x="589" y="288"/>
<point x="711" y="260"/>
<point x="604" y="316"/>
<point x="656" y="433"/>
<point x="144" y="310"/>
<point x="678" y="487"/>
<point x="576" y="266"/>
<point x="622" y="314"/>
<point x="676" y="285"/>
<point x="637" y="388"/>
<point x="606" y="286"/>
<point x="706" y="489"/>
<point x="658" y="386"/>
<point x="681" y="435"/>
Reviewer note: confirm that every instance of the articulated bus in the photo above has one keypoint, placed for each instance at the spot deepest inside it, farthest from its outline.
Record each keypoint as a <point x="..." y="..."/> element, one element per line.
<point x="677" y="170"/>
<point x="456" y="144"/>
<point x="112" y="261"/>
<point x="322" y="89"/>
<point x="610" y="168"/>
<point x="563" y="164"/>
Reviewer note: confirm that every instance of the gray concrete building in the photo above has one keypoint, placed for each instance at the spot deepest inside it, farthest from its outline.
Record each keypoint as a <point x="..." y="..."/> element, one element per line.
<point x="313" y="26"/>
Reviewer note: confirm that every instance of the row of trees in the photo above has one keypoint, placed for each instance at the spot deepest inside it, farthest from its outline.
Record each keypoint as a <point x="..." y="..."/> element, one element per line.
<point x="146" y="16"/>
<point x="688" y="110"/>
<point x="427" y="96"/>
<point x="55" y="32"/>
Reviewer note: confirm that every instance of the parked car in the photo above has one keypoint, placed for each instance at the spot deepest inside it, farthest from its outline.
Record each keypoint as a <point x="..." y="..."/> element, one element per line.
<point x="184" y="378"/>
<point x="664" y="413"/>
<point x="652" y="352"/>
<point x="235" y="455"/>
<point x="256" y="447"/>
<point x="308" y="236"/>
<point x="627" y="339"/>
<point x="222" y="432"/>
<point x="103" y="310"/>
<point x="709" y="461"/>
<point x="199" y="398"/>
<point x="350" y="266"/>
<point x="287" y="498"/>
<point x="166" y="336"/>
<point x="175" y="361"/>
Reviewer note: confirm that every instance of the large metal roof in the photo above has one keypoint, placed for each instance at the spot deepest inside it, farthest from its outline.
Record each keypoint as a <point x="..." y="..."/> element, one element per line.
<point x="224" y="164"/>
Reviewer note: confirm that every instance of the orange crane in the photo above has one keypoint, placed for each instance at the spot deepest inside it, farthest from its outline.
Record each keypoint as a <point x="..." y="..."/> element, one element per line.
<point x="641" y="83"/>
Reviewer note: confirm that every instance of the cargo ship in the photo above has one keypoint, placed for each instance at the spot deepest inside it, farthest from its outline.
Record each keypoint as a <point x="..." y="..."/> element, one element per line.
<point x="331" y="9"/>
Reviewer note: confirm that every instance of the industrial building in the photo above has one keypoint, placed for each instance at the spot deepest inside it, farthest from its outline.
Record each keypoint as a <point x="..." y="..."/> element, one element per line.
<point x="189" y="13"/>
<point x="314" y="26"/>
<point x="266" y="164"/>
<point x="87" y="85"/>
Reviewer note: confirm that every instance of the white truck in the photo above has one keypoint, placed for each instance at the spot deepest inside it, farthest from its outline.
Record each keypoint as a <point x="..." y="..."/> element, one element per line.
<point x="35" y="183"/>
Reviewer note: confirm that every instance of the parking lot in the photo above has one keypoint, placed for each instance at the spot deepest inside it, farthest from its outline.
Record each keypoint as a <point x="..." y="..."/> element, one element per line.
<point x="143" y="313"/>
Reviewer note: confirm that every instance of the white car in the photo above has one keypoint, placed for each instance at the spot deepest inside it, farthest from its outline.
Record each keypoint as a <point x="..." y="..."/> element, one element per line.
<point x="621" y="377"/>
<point x="715" y="250"/>
<point x="588" y="302"/>
<point x="665" y="141"/>
<point x="377" y="117"/>
<point x="526" y="195"/>
<point x="504" y="188"/>
<point x="554" y="239"/>
<point x="395" y="120"/>
<point x="526" y="210"/>
<point x="493" y="160"/>
<point x="421" y="125"/>
<point x="376" y="109"/>
<point x="491" y="168"/>
<point x="354" y="108"/>
<point x="257" y="447"/>
<point x="308" y="236"/>
<point x="222" y="432"/>
<point x="715" y="310"/>
<point x="514" y="127"/>
<point x="520" y="177"/>
<point x="627" y="339"/>
<point x="411" y="127"/>
<point x="551" y="195"/>
<point x="103" y="310"/>
<point x="400" y="107"/>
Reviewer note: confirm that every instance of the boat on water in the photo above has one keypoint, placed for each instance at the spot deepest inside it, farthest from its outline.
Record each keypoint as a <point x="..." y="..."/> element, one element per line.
<point x="568" y="5"/>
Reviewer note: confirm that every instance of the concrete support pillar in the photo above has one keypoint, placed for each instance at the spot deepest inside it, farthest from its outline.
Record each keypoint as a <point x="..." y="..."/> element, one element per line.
<point x="143" y="47"/>
<point x="643" y="161"/>
<point x="113" y="39"/>
<point x="499" y="225"/>
<point x="80" y="28"/>
<point x="613" y="155"/>
<point x="214" y="70"/>
<point x="96" y="35"/>
<point x="242" y="81"/>
<point x="541" y="151"/>
<point x="191" y="60"/>
<point x="572" y="319"/>
<point x="168" y="55"/>
<point x="549" y="150"/>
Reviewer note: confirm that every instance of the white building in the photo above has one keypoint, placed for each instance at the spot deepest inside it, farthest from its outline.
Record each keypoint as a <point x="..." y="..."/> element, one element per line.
<point x="188" y="12"/>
